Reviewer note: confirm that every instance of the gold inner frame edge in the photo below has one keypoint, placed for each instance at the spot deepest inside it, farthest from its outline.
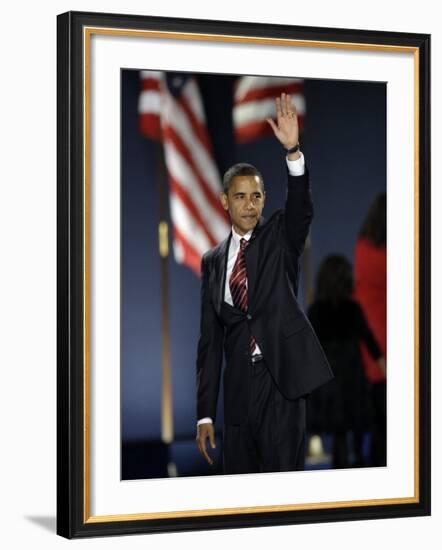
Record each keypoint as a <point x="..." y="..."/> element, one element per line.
<point x="87" y="33"/>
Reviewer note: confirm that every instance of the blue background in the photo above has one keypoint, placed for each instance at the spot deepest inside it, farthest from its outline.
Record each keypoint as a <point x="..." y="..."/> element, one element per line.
<point x="344" y="144"/>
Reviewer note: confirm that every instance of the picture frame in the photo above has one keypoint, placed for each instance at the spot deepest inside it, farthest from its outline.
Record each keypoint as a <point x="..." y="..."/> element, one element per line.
<point x="78" y="75"/>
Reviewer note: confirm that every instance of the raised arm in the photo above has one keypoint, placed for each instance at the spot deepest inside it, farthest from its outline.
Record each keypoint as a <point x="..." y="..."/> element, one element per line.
<point x="299" y="205"/>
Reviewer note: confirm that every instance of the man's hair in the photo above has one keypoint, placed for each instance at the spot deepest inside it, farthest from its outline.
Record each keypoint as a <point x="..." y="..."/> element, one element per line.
<point x="240" y="169"/>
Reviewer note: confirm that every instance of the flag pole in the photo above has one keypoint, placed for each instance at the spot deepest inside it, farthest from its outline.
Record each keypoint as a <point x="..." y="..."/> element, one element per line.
<point x="167" y="430"/>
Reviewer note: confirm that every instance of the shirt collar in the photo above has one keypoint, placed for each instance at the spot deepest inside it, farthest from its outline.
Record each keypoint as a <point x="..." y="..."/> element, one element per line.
<point x="236" y="237"/>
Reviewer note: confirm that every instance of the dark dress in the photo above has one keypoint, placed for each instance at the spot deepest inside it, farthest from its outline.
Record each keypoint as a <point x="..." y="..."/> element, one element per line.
<point x="343" y="404"/>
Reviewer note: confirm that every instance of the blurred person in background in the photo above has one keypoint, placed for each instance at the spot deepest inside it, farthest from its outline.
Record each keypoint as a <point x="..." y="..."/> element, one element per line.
<point x="342" y="407"/>
<point x="370" y="271"/>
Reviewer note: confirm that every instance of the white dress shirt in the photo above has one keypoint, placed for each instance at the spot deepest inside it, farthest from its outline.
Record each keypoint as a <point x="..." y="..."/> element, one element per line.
<point x="296" y="168"/>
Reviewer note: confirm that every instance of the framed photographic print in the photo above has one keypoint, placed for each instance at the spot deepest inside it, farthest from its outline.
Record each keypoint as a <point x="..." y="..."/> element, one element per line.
<point x="175" y="136"/>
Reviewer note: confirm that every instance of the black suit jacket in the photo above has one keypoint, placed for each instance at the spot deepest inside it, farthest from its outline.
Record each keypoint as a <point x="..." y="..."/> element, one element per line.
<point x="286" y="338"/>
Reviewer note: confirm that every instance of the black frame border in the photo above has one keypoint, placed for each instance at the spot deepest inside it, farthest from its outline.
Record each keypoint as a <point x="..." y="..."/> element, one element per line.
<point x="70" y="268"/>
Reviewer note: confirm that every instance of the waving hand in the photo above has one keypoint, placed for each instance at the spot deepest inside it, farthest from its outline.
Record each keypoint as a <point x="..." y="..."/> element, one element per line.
<point x="286" y="129"/>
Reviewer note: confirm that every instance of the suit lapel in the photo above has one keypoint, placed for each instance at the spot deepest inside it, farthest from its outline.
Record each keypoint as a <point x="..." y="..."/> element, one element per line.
<point x="220" y="272"/>
<point x="251" y="256"/>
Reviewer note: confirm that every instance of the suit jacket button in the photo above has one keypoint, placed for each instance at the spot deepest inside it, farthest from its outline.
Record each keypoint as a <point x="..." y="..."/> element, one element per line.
<point x="249" y="317"/>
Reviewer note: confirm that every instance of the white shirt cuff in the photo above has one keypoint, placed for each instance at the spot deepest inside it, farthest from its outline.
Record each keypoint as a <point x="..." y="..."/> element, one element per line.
<point x="204" y="420"/>
<point x="296" y="167"/>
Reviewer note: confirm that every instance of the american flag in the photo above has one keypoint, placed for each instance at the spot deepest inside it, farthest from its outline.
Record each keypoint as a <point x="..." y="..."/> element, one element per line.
<point x="171" y="111"/>
<point x="254" y="101"/>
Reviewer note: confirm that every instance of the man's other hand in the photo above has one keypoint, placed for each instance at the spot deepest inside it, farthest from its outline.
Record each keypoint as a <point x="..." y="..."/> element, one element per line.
<point x="204" y="431"/>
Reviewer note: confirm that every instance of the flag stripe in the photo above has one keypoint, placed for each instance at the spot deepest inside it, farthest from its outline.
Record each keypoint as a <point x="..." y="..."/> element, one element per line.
<point x="183" y="166"/>
<point x="257" y="94"/>
<point x="178" y="190"/>
<point x="155" y="76"/>
<point x="247" y="85"/>
<point x="254" y="130"/>
<point x="175" y="118"/>
<point x="258" y="110"/>
<point x="194" y="110"/>
<point x="185" y="253"/>
<point x="254" y="103"/>
<point x="149" y="102"/>
<point x="188" y="226"/>
<point x="149" y="105"/>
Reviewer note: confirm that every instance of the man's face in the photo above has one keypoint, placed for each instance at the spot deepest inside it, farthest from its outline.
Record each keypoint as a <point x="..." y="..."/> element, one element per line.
<point x="244" y="202"/>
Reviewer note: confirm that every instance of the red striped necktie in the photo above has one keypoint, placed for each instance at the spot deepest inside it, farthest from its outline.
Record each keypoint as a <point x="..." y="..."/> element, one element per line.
<point x="238" y="284"/>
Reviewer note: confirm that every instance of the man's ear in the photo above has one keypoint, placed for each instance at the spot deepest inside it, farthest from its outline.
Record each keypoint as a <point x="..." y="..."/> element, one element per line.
<point x="224" y="201"/>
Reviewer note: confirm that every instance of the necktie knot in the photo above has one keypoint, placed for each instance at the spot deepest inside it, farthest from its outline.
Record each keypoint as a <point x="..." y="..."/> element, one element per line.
<point x="243" y="243"/>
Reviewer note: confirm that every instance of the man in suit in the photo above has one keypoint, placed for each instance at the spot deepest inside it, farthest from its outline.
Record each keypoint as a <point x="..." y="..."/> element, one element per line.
<point x="250" y="314"/>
